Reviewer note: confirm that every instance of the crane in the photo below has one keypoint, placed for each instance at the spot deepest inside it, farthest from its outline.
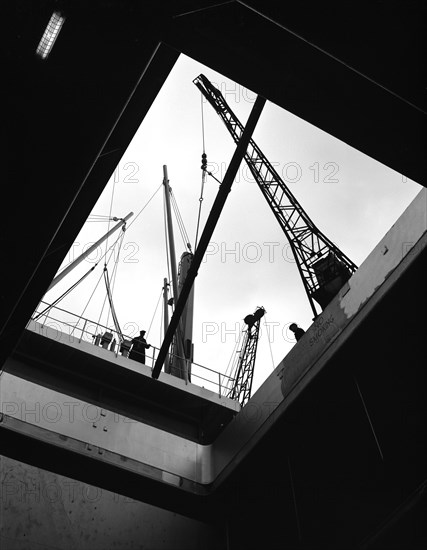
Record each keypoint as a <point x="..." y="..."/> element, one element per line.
<point x="242" y="386"/>
<point x="323" y="267"/>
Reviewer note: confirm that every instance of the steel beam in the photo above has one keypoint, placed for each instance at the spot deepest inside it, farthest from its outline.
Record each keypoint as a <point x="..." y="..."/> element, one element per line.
<point x="211" y="222"/>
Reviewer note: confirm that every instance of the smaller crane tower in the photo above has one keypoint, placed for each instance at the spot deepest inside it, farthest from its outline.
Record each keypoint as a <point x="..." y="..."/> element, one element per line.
<point x="242" y="387"/>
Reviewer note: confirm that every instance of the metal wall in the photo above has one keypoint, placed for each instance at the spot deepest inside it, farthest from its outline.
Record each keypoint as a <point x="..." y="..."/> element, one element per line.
<point x="42" y="510"/>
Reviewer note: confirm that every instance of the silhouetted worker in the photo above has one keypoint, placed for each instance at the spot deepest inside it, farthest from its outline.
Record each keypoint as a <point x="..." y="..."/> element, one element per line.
<point x="138" y="348"/>
<point x="97" y="339"/>
<point x="298" y="332"/>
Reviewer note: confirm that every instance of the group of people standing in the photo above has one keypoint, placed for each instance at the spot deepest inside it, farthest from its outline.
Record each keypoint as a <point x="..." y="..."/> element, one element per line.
<point x="134" y="349"/>
<point x="139" y="343"/>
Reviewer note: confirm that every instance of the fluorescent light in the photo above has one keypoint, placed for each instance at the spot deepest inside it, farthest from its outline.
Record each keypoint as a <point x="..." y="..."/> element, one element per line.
<point x="50" y="35"/>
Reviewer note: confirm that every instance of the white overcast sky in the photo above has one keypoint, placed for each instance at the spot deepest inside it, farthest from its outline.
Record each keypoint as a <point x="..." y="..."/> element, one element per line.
<point x="350" y="197"/>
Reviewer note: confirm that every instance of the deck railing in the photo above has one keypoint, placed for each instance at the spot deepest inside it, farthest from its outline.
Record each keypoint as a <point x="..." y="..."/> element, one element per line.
<point x="80" y="329"/>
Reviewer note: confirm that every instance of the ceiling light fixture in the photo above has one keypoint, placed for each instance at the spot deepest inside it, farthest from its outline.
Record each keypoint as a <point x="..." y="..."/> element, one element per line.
<point x="50" y="35"/>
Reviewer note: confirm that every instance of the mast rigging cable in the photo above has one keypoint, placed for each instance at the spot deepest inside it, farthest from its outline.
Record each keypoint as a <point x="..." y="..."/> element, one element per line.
<point x="115" y="268"/>
<point x="113" y="311"/>
<point x="154" y="314"/>
<point x="180" y="221"/>
<point x="53" y="304"/>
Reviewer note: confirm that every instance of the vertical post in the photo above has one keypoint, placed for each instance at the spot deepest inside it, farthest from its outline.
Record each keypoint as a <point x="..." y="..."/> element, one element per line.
<point x="187" y="369"/>
<point x="180" y="350"/>
<point x="153" y="358"/>
<point x="170" y="233"/>
<point x="165" y="319"/>
<point x="83" y="329"/>
<point x="219" y="384"/>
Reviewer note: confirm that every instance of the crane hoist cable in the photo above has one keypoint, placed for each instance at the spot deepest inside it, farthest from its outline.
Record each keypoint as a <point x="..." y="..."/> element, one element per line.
<point x="323" y="267"/>
<point x="204" y="170"/>
<point x="203" y="122"/>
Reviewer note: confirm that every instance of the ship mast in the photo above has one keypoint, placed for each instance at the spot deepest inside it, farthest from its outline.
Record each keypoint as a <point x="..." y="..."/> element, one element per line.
<point x="179" y="363"/>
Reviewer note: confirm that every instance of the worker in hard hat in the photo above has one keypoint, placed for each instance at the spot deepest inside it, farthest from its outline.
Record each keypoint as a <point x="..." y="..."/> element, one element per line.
<point x="298" y="332"/>
<point x="139" y="345"/>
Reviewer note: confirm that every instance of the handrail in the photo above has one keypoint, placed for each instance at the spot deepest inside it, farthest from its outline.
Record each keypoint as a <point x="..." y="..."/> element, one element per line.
<point x="221" y="383"/>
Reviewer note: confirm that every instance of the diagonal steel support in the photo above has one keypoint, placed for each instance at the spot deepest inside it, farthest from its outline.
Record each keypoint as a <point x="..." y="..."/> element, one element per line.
<point x="211" y="222"/>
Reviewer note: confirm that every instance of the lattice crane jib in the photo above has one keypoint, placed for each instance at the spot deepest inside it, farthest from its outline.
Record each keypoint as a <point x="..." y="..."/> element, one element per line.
<point x="242" y="387"/>
<point x="323" y="267"/>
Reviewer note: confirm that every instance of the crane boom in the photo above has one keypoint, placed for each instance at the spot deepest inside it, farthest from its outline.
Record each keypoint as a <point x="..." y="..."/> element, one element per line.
<point x="242" y="387"/>
<point x="322" y="266"/>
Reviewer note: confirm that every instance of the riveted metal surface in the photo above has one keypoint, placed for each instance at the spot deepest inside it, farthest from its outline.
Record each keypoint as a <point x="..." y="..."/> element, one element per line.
<point x="57" y="412"/>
